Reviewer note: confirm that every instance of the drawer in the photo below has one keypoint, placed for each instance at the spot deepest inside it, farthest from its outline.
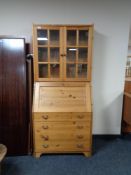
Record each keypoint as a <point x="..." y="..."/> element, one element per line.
<point x="70" y="116"/>
<point x="61" y="130"/>
<point x="63" y="146"/>
<point x="47" y="137"/>
<point x="61" y="126"/>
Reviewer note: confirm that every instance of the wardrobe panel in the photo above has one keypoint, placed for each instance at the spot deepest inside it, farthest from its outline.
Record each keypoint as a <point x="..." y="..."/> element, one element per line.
<point x="0" y="79"/>
<point x="14" y="118"/>
<point x="14" y="82"/>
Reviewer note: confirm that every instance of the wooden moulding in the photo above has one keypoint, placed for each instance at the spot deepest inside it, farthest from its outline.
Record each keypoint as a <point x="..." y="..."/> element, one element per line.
<point x="86" y="153"/>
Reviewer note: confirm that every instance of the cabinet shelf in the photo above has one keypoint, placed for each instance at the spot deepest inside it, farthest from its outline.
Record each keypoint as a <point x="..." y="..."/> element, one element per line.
<point x="46" y="46"/>
<point x="48" y="62"/>
<point x="71" y="62"/>
<point x="77" y="46"/>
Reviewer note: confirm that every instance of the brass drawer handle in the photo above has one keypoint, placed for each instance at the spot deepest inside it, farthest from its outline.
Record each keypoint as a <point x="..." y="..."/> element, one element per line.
<point x="80" y="136"/>
<point x="80" y="127"/>
<point x="45" y="137"/>
<point x="80" y="145"/>
<point x="80" y="116"/>
<point x="45" y="145"/>
<point x="45" y="117"/>
<point x="45" y="127"/>
<point x="57" y="145"/>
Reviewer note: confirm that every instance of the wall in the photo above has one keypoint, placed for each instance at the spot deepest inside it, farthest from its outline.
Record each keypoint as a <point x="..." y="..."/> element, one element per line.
<point x="111" y="21"/>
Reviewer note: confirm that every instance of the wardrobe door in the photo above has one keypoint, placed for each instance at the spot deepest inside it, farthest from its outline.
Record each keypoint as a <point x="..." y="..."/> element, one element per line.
<point x="0" y="79"/>
<point x="14" y="115"/>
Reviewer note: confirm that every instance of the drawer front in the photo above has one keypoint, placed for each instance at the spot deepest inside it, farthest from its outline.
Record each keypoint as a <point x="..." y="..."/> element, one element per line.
<point x="63" y="146"/>
<point x="61" y="130"/>
<point x="47" y="137"/>
<point x="62" y="116"/>
<point x="61" y="126"/>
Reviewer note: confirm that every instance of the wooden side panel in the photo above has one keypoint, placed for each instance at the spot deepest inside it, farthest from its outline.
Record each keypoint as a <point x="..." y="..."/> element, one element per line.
<point x="126" y="123"/>
<point x="0" y="79"/>
<point x="14" y="122"/>
<point x="127" y="109"/>
<point x="90" y="52"/>
<point x="128" y="86"/>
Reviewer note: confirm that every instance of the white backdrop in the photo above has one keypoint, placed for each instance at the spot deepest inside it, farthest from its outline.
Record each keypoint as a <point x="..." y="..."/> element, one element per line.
<point x="111" y="20"/>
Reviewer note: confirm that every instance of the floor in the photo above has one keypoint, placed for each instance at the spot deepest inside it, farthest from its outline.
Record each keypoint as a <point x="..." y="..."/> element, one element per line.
<point x="111" y="156"/>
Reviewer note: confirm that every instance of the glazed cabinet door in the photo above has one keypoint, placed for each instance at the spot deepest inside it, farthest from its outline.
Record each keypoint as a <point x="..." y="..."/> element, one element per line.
<point x="77" y="51"/>
<point x="48" y="53"/>
<point x="62" y="53"/>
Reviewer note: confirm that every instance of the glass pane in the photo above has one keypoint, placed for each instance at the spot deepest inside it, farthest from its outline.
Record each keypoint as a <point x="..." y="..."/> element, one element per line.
<point x="42" y="54"/>
<point x="71" y="37"/>
<point x="43" y="70"/>
<point x="71" y="54"/>
<point x="70" y="70"/>
<point x="54" y="37"/>
<point x="82" y="70"/>
<point x="83" y="37"/>
<point x="42" y="37"/>
<point x="82" y="54"/>
<point x="54" y="70"/>
<point x="54" y="54"/>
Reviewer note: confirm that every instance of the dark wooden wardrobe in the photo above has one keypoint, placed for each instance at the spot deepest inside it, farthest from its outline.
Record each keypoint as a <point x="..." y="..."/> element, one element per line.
<point x="14" y="120"/>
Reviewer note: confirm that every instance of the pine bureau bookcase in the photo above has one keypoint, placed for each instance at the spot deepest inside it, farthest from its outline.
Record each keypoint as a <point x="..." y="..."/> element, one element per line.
<point x="62" y="104"/>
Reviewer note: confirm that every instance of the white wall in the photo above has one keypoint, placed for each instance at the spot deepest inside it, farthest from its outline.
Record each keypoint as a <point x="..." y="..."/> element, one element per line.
<point x="111" y="21"/>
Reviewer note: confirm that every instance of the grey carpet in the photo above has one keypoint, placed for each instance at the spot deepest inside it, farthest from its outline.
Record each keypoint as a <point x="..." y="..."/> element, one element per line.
<point x="110" y="157"/>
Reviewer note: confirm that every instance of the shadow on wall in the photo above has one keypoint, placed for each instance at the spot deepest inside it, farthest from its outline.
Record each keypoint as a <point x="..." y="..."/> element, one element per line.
<point x="98" y="74"/>
<point x="99" y="62"/>
<point x="112" y="115"/>
<point x="106" y="100"/>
